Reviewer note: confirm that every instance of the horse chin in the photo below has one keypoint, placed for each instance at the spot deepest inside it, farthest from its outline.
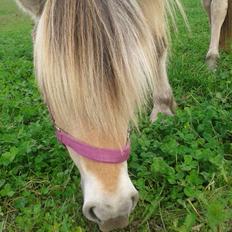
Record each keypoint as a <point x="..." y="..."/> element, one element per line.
<point x="114" y="223"/>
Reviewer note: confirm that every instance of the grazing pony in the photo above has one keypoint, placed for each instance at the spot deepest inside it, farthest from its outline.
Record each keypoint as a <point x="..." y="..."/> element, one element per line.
<point x="97" y="63"/>
<point x="220" y="18"/>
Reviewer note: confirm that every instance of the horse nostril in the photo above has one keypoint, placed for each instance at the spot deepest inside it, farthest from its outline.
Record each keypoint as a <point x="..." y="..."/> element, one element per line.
<point x="93" y="215"/>
<point x="134" y="199"/>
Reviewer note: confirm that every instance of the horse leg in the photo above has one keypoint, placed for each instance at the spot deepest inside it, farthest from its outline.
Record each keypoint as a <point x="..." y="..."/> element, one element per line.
<point x="163" y="98"/>
<point x="207" y="6"/>
<point x="32" y="7"/>
<point x="218" y="15"/>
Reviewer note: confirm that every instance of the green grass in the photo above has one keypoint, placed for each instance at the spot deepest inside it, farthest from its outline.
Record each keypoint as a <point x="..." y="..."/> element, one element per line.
<point x="181" y="165"/>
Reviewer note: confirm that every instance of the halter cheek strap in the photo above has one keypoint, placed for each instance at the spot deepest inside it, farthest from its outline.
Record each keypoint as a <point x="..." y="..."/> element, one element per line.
<point x="94" y="153"/>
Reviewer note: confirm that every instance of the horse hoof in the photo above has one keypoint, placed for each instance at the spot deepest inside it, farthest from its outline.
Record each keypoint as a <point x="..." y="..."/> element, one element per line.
<point x="155" y="112"/>
<point x="166" y="110"/>
<point x="167" y="107"/>
<point x="211" y="62"/>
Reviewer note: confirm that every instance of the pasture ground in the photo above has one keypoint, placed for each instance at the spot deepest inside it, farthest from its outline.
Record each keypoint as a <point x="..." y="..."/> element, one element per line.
<point x="181" y="165"/>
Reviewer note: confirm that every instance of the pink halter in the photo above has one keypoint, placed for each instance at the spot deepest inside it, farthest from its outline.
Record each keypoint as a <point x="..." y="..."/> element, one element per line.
<point x="93" y="153"/>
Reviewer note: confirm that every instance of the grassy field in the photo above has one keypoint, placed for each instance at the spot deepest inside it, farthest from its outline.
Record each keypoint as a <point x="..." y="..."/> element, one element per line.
<point x="181" y="165"/>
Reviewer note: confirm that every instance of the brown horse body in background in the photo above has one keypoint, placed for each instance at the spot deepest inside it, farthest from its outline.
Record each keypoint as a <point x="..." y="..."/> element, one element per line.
<point x="220" y="18"/>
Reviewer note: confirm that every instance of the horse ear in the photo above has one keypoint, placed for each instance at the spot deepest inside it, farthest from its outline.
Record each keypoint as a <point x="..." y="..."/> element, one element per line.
<point x="32" y="7"/>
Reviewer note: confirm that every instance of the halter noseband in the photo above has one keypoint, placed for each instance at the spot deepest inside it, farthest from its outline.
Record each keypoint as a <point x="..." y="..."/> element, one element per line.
<point x="103" y="155"/>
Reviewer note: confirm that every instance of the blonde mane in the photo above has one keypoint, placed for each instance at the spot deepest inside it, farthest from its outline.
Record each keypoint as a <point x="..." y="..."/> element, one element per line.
<point x="96" y="61"/>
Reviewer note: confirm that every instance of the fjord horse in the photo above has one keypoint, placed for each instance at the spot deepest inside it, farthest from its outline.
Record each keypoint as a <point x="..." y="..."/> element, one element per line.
<point x="220" y="18"/>
<point x="97" y="63"/>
